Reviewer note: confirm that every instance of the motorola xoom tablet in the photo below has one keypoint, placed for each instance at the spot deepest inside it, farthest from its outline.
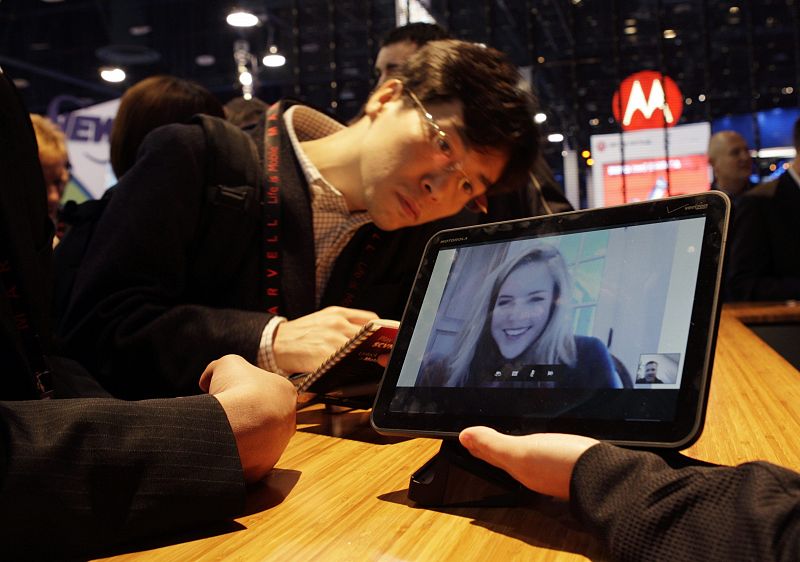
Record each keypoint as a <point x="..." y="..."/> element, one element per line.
<point x="599" y="322"/>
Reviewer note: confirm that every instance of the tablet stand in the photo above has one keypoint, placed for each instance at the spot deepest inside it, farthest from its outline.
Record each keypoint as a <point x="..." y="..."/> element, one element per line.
<point x="454" y="478"/>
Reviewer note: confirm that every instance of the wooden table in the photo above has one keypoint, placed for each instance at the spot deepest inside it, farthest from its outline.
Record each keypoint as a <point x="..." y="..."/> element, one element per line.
<point x="345" y="498"/>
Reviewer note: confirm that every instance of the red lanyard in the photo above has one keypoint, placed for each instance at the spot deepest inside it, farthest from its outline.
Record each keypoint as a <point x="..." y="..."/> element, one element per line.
<point x="272" y="226"/>
<point x="272" y="213"/>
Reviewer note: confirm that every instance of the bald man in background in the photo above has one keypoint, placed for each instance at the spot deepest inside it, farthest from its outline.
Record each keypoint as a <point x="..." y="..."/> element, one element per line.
<point x="730" y="159"/>
<point x="764" y="245"/>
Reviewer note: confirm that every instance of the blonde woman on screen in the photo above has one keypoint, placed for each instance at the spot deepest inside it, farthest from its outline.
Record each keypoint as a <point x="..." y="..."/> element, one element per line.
<point x="520" y="333"/>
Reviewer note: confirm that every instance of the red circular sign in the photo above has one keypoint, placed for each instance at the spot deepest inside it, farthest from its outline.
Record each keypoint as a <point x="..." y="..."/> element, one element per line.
<point x="647" y="100"/>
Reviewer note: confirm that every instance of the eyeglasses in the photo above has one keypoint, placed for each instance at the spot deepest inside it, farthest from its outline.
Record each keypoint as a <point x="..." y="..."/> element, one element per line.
<point x="439" y="139"/>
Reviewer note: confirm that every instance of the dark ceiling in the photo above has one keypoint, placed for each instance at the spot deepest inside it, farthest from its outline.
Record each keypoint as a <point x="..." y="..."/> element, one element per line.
<point x="740" y="54"/>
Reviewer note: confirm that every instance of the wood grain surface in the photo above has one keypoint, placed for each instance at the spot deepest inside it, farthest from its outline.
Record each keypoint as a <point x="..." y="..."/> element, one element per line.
<point x="344" y="498"/>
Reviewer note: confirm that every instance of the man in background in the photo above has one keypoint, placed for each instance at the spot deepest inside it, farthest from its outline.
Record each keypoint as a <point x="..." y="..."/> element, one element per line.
<point x="730" y="159"/>
<point x="650" y="374"/>
<point x="765" y="246"/>
<point x="400" y="43"/>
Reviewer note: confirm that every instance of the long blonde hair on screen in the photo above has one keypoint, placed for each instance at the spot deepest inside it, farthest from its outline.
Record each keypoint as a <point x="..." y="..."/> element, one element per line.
<point x="475" y="348"/>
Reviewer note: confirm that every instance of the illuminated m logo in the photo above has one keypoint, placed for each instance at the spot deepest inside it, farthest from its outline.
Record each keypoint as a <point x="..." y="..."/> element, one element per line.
<point x="648" y="105"/>
<point x="639" y="97"/>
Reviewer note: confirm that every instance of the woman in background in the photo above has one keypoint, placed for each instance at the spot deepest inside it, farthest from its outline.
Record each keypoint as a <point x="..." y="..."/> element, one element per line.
<point x="151" y="103"/>
<point x="524" y="318"/>
<point x="145" y="106"/>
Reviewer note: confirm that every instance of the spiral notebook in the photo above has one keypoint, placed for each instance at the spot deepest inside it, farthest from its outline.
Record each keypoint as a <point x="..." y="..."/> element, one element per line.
<point x="353" y="364"/>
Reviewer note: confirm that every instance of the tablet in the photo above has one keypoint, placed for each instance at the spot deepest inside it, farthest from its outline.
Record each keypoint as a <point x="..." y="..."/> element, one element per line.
<point x="599" y="322"/>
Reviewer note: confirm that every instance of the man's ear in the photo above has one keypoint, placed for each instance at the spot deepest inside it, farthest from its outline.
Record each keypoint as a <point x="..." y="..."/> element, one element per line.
<point x="390" y="90"/>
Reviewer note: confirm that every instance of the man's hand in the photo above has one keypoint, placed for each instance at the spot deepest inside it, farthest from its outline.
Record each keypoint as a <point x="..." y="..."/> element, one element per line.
<point x="260" y="407"/>
<point x="542" y="462"/>
<point x="302" y="345"/>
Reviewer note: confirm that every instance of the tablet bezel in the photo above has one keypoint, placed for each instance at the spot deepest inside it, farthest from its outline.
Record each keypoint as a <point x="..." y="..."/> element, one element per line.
<point x="693" y="393"/>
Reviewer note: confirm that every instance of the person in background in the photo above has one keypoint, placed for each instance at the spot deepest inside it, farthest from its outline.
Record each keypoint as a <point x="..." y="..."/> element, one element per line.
<point x="643" y="509"/>
<point x="337" y="205"/>
<point x="79" y="471"/>
<point x="650" y="375"/>
<point x="765" y="244"/>
<point x="731" y="162"/>
<point x="400" y="43"/>
<point x="145" y="106"/>
<point x="54" y="160"/>
<point x="151" y="103"/>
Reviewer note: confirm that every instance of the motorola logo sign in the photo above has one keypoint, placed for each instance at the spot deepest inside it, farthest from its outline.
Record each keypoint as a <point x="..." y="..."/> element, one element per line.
<point x="647" y="100"/>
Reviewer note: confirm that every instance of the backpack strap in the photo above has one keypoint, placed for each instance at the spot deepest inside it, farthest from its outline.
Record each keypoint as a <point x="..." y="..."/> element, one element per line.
<point x="232" y="210"/>
<point x="232" y="165"/>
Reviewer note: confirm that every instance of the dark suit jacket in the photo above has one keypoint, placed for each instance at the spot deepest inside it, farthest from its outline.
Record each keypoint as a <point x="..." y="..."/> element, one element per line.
<point x="77" y="475"/>
<point x="642" y="508"/>
<point x="765" y="245"/>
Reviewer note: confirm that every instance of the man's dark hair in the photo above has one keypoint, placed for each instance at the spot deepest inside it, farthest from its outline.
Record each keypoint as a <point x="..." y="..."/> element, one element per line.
<point x="797" y="136"/>
<point x="498" y="113"/>
<point x="418" y="33"/>
<point x="149" y="104"/>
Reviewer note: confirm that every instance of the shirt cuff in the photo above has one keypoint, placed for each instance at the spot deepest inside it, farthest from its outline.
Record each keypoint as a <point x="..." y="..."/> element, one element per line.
<point x="266" y="355"/>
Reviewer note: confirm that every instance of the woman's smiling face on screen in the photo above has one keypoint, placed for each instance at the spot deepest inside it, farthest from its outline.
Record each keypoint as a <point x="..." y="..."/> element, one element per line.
<point x="522" y="308"/>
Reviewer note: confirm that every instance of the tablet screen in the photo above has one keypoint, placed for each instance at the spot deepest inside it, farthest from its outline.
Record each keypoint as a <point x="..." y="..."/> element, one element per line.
<point x="585" y="323"/>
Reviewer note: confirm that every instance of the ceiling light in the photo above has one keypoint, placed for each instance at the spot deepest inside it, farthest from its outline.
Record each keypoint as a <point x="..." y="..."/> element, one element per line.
<point x="21" y="83"/>
<point x="245" y="78"/>
<point x="630" y="21"/>
<point x="630" y="30"/>
<point x="555" y="137"/>
<point x="139" y="30"/>
<point x="273" y="58"/>
<point x="733" y="10"/>
<point x="241" y="18"/>
<point x="701" y="97"/>
<point x="247" y="96"/>
<point x="204" y="60"/>
<point x="540" y="118"/>
<point x="787" y="90"/>
<point x="112" y="74"/>
<point x="670" y="34"/>
<point x="594" y="122"/>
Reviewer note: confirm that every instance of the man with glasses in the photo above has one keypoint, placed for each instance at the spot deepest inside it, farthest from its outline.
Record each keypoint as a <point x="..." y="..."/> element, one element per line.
<point x="333" y="240"/>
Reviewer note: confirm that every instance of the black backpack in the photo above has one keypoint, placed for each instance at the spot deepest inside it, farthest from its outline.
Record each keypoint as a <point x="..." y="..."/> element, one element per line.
<point x="233" y="175"/>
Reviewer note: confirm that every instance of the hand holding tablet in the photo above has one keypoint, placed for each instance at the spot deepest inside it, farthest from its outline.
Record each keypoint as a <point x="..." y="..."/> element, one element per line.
<point x="542" y="462"/>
